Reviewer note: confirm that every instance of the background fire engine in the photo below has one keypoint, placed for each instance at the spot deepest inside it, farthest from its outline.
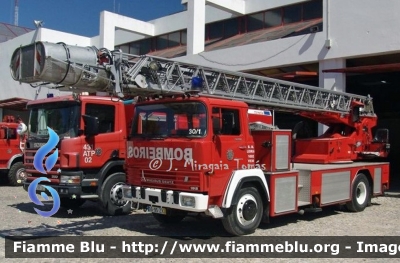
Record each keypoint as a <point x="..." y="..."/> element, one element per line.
<point x="12" y="143"/>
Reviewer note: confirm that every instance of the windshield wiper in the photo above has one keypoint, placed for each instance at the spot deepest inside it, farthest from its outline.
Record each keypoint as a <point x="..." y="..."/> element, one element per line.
<point x="152" y="136"/>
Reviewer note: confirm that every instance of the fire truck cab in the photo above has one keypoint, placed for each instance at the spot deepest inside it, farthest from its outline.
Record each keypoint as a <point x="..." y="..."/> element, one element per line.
<point x="92" y="132"/>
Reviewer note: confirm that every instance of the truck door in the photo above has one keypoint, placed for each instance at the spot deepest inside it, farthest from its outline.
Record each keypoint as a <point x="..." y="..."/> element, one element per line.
<point x="229" y="138"/>
<point x="96" y="150"/>
<point x="7" y="134"/>
<point x="3" y="138"/>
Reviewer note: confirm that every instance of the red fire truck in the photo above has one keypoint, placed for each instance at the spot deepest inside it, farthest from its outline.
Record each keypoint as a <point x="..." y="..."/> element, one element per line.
<point x="200" y="141"/>
<point x="92" y="130"/>
<point x="11" y="147"/>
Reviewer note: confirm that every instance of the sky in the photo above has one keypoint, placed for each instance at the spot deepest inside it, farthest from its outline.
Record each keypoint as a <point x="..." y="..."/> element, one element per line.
<point x="82" y="17"/>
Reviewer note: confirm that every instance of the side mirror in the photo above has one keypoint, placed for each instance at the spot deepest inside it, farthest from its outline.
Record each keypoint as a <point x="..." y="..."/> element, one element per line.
<point x="91" y="125"/>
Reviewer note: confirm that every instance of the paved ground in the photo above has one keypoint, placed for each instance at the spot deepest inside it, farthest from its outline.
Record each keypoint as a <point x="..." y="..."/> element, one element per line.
<point x="19" y="218"/>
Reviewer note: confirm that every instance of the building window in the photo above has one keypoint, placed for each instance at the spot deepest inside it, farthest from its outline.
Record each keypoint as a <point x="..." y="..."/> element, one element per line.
<point x="273" y="18"/>
<point x="312" y="10"/>
<point x="222" y="29"/>
<point x="145" y="46"/>
<point x="183" y="37"/>
<point x="134" y="48"/>
<point x="124" y="48"/>
<point x="174" y="39"/>
<point x="292" y="14"/>
<point x="231" y="27"/>
<point x="227" y="28"/>
<point x="162" y="42"/>
<point x="215" y="30"/>
<point x="255" y="21"/>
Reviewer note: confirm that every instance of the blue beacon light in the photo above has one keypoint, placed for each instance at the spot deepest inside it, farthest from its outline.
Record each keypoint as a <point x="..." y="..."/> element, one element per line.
<point x="197" y="83"/>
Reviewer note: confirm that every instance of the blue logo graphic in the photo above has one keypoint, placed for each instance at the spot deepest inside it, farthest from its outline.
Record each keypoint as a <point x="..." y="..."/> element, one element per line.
<point x="32" y="195"/>
<point x="45" y="149"/>
<point x="38" y="164"/>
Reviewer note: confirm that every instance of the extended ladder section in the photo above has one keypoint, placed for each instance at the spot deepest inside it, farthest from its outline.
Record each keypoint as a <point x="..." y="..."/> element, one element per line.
<point x="73" y="68"/>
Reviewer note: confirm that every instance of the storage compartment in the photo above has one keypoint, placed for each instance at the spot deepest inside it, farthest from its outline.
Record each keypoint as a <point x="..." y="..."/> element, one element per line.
<point x="272" y="149"/>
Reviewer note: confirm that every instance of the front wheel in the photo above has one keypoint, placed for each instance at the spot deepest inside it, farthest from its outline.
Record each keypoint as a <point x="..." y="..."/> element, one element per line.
<point x="360" y="195"/>
<point x="111" y="195"/>
<point x="244" y="217"/>
<point x="16" y="174"/>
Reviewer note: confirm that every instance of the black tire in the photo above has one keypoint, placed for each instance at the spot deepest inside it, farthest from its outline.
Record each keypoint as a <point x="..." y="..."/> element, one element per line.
<point x="244" y="217"/>
<point x="16" y="174"/>
<point x="111" y="194"/>
<point x="360" y="194"/>
<point x="67" y="203"/>
<point x="172" y="217"/>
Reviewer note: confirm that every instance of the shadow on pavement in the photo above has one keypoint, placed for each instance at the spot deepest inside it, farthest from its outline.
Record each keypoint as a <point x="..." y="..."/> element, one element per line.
<point x="138" y="222"/>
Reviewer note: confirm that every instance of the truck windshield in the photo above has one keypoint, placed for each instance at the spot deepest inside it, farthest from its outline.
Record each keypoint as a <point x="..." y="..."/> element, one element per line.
<point x="63" y="119"/>
<point x="170" y="119"/>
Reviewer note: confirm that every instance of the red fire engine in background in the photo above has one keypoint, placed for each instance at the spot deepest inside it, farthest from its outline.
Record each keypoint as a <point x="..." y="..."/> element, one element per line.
<point x="90" y="159"/>
<point x="200" y="140"/>
<point x="12" y="142"/>
<point x="90" y="162"/>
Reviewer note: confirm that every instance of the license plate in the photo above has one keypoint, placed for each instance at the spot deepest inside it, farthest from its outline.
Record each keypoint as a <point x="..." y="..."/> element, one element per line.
<point x="157" y="210"/>
<point x="40" y="188"/>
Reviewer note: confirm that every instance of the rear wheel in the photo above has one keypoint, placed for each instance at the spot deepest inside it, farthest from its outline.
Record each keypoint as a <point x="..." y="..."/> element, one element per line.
<point x="172" y="217"/>
<point x="16" y="174"/>
<point x="244" y="217"/>
<point x="111" y="195"/>
<point x="360" y="195"/>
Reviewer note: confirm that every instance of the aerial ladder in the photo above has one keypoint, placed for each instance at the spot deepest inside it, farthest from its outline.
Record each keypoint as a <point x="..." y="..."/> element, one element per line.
<point x="350" y="117"/>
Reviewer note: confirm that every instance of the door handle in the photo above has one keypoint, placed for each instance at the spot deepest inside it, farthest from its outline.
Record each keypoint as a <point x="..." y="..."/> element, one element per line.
<point x="242" y="147"/>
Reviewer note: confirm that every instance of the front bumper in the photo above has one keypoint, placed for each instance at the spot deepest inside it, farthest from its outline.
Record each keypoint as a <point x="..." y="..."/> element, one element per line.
<point x="165" y="198"/>
<point x="74" y="191"/>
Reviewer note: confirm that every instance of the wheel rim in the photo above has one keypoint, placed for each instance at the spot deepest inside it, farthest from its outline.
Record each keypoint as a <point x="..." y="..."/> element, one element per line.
<point x="246" y="209"/>
<point x="116" y="195"/>
<point x="20" y="175"/>
<point x="361" y="193"/>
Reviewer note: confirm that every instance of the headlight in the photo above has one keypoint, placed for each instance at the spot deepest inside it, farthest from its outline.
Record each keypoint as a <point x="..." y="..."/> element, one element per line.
<point x="189" y="201"/>
<point x="126" y="192"/>
<point x="66" y="179"/>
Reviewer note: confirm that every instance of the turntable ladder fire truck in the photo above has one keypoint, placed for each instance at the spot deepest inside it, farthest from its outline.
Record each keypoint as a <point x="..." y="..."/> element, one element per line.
<point x="224" y="161"/>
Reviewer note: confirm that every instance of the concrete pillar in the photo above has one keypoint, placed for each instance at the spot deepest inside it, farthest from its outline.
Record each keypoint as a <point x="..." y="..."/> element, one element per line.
<point x="196" y="26"/>
<point x="331" y="81"/>
<point x="107" y="30"/>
